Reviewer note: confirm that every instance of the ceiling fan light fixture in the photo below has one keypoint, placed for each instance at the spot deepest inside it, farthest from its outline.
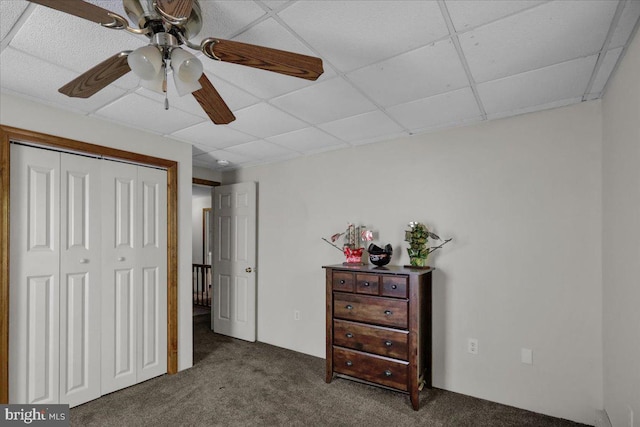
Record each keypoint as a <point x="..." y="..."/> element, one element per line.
<point x="187" y="70"/>
<point x="146" y="62"/>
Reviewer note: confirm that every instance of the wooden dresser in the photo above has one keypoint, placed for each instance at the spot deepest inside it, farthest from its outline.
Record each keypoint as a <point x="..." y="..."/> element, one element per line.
<point x="379" y="326"/>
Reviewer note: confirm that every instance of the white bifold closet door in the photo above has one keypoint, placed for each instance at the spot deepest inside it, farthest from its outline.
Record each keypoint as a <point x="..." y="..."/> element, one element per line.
<point x="134" y="298"/>
<point x="68" y="311"/>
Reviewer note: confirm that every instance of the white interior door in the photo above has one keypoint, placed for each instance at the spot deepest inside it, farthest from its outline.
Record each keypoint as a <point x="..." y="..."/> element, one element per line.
<point x="80" y="279"/>
<point x="152" y="259"/>
<point x="34" y="278"/>
<point x="119" y="278"/>
<point x="234" y="259"/>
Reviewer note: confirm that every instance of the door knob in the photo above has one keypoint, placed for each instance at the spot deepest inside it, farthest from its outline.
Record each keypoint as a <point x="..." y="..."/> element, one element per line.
<point x="248" y="270"/>
<point x="83" y="260"/>
<point x="120" y="258"/>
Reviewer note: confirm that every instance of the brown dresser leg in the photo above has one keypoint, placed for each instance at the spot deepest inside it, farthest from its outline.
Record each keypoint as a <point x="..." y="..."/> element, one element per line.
<point x="415" y="399"/>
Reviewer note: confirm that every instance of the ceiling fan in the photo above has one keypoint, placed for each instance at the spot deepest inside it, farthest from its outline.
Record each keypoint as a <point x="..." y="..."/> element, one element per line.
<point x="170" y="24"/>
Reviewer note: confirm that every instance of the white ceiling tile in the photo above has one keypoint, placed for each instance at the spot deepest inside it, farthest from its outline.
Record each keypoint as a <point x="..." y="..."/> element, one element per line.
<point x="325" y="102"/>
<point x="208" y="134"/>
<point x="42" y="35"/>
<point x="225" y="18"/>
<point x="545" y="35"/>
<point x="144" y="113"/>
<point x="275" y="4"/>
<point x="538" y="87"/>
<point x="447" y="108"/>
<point x="628" y="19"/>
<point x="362" y="127"/>
<point x="308" y="140"/>
<point x="196" y="149"/>
<point x="265" y="84"/>
<point x="261" y="150"/>
<point x="531" y="109"/>
<point x="471" y="13"/>
<point x="212" y="157"/>
<point x="606" y="67"/>
<point x="423" y="72"/>
<point x="264" y="120"/>
<point x="10" y="12"/>
<point x="351" y="34"/>
<point x="43" y="80"/>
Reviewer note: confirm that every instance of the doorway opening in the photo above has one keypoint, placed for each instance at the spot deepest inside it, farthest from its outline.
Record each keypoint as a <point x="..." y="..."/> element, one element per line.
<point x="202" y="236"/>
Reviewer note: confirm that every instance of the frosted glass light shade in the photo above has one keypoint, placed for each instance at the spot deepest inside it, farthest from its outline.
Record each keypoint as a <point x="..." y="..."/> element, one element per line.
<point x="187" y="70"/>
<point x="156" y="83"/>
<point x="145" y="62"/>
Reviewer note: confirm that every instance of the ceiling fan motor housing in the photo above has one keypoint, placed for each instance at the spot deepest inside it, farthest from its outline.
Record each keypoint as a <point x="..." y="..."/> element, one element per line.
<point x="144" y="13"/>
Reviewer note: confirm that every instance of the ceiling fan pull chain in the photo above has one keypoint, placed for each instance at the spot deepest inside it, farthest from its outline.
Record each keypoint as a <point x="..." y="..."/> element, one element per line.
<point x="164" y="86"/>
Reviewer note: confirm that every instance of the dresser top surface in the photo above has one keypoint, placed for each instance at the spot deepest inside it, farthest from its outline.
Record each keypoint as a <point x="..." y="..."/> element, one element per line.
<point x="387" y="269"/>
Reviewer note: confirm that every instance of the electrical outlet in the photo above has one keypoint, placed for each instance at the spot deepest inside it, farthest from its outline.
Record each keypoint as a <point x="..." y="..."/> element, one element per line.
<point x="472" y="345"/>
<point x="296" y="314"/>
<point x="526" y="356"/>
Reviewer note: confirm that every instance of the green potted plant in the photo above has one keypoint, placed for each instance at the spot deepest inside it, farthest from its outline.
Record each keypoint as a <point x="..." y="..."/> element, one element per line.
<point x="418" y="237"/>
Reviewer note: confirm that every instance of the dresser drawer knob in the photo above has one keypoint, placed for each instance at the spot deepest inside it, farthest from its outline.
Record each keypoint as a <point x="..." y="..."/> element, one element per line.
<point x="388" y="312"/>
<point x="387" y="373"/>
<point x="366" y="284"/>
<point x="342" y="282"/>
<point x="349" y="335"/>
<point x="349" y="363"/>
<point x="388" y="343"/>
<point x="394" y="286"/>
<point x="349" y="307"/>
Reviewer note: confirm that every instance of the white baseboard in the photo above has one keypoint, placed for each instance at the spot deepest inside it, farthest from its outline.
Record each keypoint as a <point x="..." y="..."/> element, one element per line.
<point x="602" y="419"/>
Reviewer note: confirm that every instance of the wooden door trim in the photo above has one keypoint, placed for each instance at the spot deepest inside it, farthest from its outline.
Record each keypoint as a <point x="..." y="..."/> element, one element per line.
<point x="8" y="134"/>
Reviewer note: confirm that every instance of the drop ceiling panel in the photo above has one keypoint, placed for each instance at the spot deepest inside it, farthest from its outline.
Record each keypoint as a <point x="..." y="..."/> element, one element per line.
<point x="325" y="102"/>
<point x="143" y="113"/>
<point x="308" y="140"/>
<point x="467" y="14"/>
<point x="70" y="51"/>
<point x="265" y="120"/>
<point x="454" y="107"/>
<point x="224" y="19"/>
<point x="10" y="11"/>
<point x="537" y="38"/>
<point x="213" y="136"/>
<point x="212" y="158"/>
<point x="258" y="150"/>
<point x="362" y="127"/>
<point x="539" y="87"/>
<point x="43" y="79"/>
<point x="351" y="34"/>
<point x="429" y="70"/>
<point x="626" y="24"/>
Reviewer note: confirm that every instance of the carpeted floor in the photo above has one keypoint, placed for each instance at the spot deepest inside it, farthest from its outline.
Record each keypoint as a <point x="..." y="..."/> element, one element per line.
<point x="235" y="383"/>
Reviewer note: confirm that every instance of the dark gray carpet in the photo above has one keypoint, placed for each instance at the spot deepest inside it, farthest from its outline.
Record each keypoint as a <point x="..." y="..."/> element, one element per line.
<point x="235" y="383"/>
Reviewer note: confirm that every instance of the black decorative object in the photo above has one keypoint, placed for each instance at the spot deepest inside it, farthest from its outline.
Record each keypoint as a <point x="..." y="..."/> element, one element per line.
<point x="379" y="256"/>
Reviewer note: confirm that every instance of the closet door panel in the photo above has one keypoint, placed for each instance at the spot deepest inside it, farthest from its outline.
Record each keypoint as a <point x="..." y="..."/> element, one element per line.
<point x="34" y="278"/>
<point x="120" y="275"/>
<point x="152" y="314"/>
<point x="80" y="276"/>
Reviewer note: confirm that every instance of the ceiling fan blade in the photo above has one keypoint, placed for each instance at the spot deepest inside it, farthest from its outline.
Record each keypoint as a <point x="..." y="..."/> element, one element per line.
<point x="79" y="8"/>
<point x="98" y="77"/>
<point x="265" y="58"/>
<point x="212" y="103"/>
<point x="175" y="9"/>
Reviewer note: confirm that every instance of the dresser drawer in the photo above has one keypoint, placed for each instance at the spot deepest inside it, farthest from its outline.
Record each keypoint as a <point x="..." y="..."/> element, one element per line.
<point x="394" y="286"/>
<point x="372" y="339"/>
<point x="343" y="281"/>
<point x="369" y="367"/>
<point x="367" y="284"/>
<point x="368" y="309"/>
